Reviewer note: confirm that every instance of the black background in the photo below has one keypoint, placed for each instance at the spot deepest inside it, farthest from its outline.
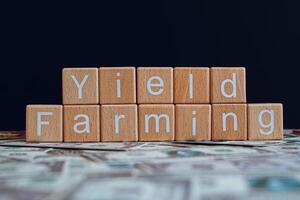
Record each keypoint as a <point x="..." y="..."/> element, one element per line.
<point x="38" y="39"/>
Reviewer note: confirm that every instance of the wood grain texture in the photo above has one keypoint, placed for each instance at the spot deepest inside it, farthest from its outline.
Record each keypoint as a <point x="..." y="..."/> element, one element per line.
<point x="119" y="123"/>
<point x="220" y="74"/>
<point x="227" y="132"/>
<point x="192" y="122"/>
<point x="53" y="132"/>
<point x="110" y="92"/>
<point x="157" y="122"/>
<point x="143" y="76"/>
<point x="89" y="132"/>
<point x="256" y="129"/>
<point x="90" y="90"/>
<point x="198" y="78"/>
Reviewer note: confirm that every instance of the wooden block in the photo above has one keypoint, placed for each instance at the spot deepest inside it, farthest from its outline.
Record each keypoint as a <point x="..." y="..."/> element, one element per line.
<point x="44" y="123"/>
<point x="80" y="86"/>
<point x="119" y="123"/>
<point x="228" y="85"/>
<point x="193" y="122"/>
<point x="155" y="84"/>
<point x="117" y="85"/>
<point x="229" y="122"/>
<point x="265" y="121"/>
<point x="81" y="123"/>
<point x="156" y="122"/>
<point x="191" y="85"/>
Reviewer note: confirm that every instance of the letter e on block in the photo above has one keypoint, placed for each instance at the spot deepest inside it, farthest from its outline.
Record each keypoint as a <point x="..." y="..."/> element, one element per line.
<point x="228" y="84"/>
<point x="80" y="86"/>
<point x="156" y="122"/>
<point x="155" y="84"/>
<point x="44" y="123"/>
<point x="265" y="121"/>
<point x="229" y="122"/>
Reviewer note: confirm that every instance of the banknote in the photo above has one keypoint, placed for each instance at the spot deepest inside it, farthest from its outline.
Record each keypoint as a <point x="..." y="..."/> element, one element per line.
<point x="153" y="170"/>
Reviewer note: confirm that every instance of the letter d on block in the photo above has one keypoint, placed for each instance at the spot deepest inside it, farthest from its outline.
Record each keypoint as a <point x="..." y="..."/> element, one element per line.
<point x="233" y="84"/>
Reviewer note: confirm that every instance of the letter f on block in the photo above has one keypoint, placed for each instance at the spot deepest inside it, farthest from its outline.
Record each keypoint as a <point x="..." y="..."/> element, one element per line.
<point x="40" y="122"/>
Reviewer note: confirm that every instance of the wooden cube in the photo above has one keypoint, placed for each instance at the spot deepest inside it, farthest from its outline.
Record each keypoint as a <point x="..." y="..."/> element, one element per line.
<point x="80" y="86"/>
<point x="191" y="85"/>
<point x="156" y="122"/>
<point x="228" y="85"/>
<point x="119" y="123"/>
<point x="81" y="123"/>
<point x="229" y="122"/>
<point x="193" y="122"/>
<point x="117" y="85"/>
<point x="265" y="121"/>
<point x="44" y="123"/>
<point x="155" y="84"/>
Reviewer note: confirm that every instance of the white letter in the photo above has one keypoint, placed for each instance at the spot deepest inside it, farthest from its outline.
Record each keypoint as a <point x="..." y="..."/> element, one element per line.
<point x="194" y="123"/>
<point x="225" y="120"/>
<point x="160" y="84"/>
<point x="233" y="83"/>
<point x="86" y="123"/>
<point x="191" y="85"/>
<point x="157" y="118"/>
<point x="270" y="125"/>
<point x="117" y="118"/>
<point x="118" y="86"/>
<point x="80" y="85"/>
<point x="40" y="122"/>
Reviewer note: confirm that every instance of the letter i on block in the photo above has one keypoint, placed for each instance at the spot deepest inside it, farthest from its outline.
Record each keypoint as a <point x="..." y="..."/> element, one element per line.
<point x="156" y="122"/>
<point x="80" y="86"/>
<point x="229" y="122"/>
<point x="155" y="84"/>
<point x="81" y="123"/>
<point x="191" y="85"/>
<point x="228" y="84"/>
<point x="44" y="123"/>
<point x="192" y="122"/>
<point x="117" y="85"/>
<point x="119" y="123"/>
<point x="265" y="121"/>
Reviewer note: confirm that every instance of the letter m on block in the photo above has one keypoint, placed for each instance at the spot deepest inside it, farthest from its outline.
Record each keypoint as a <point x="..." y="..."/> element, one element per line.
<point x="157" y="120"/>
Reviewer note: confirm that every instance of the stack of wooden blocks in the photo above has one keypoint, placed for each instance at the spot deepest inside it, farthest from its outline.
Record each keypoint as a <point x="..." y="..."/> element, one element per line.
<point x="153" y="104"/>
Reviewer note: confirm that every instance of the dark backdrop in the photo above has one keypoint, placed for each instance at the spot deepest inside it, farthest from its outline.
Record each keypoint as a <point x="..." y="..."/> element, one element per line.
<point x="37" y="39"/>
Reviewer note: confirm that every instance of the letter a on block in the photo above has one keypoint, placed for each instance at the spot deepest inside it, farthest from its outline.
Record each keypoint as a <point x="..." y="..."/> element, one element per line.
<point x="44" y="123"/>
<point x="80" y="86"/>
<point x="81" y="123"/>
<point x="265" y="121"/>
<point x="228" y="85"/>
<point x="156" y="122"/>
<point x="155" y="84"/>
<point x="229" y="122"/>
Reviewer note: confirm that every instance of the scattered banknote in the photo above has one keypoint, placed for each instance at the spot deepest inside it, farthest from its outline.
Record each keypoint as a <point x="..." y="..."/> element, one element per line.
<point x="154" y="170"/>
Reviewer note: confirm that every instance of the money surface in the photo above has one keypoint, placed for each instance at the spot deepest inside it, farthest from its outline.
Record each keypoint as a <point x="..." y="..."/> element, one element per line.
<point x="153" y="170"/>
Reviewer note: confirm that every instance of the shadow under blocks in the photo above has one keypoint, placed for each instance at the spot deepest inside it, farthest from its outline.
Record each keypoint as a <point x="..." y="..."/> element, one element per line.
<point x="115" y="104"/>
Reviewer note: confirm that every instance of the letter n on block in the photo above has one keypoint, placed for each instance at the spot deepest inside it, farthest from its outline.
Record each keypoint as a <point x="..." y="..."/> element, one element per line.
<point x="44" y="123"/>
<point x="228" y="84"/>
<point x="156" y="122"/>
<point x="265" y="121"/>
<point x="229" y="122"/>
<point x="81" y="123"/>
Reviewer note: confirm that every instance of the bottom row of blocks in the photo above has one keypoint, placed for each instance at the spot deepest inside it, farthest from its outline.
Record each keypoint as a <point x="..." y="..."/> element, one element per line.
<point x="161" y="122"/>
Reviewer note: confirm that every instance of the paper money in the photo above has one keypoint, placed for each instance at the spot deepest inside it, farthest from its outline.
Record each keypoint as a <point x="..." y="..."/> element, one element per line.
<point x="154" y="170"/>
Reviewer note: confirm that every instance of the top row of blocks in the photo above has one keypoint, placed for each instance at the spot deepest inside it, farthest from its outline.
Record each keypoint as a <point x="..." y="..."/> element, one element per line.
<point x="119" y="85"/>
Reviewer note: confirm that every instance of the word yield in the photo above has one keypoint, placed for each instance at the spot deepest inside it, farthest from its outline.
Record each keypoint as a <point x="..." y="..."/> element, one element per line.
<point x="153" y="104"/>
